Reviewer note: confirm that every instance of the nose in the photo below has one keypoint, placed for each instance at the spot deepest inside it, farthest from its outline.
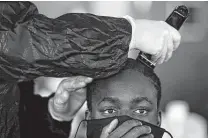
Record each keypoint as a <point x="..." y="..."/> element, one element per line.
<point x="125" y="112"/>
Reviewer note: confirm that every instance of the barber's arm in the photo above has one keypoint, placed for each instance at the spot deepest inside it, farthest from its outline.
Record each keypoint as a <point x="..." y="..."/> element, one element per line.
<point x="33" y="45"/>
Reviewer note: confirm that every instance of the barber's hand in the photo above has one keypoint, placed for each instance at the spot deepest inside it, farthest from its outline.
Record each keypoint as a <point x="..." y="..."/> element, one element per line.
<point x="156" y="38"/>
<point x="69" y="98"/>
<point x="129" y="129"/>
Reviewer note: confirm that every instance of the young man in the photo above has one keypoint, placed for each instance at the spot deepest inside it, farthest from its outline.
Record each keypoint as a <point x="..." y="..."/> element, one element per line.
<point x="135" y="92"/>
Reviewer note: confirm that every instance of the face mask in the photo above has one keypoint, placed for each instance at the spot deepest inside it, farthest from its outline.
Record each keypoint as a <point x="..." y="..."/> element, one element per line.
<point x="95" y="126"/>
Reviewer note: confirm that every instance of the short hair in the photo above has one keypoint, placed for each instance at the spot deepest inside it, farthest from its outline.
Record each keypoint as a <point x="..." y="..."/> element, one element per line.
<point x="135" y="65"/>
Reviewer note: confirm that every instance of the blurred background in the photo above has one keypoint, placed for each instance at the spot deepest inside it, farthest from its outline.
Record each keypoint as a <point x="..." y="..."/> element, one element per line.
<point x="184" y="78"/>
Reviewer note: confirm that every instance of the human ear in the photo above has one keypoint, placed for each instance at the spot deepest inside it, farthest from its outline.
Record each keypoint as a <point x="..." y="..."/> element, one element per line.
<point x="159" y="118"/>
<point x="87" y="115"/>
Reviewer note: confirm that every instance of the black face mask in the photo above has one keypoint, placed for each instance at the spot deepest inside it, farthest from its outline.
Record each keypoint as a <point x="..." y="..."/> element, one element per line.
<point x="95" y="126"/>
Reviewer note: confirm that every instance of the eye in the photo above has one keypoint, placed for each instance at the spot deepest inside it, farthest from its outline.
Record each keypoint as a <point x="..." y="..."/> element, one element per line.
<point x="109" y="111"/>
<point x="141" y="111"/>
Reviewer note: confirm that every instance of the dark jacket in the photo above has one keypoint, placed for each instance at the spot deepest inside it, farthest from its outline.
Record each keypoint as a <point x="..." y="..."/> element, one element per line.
<point x="35" y="120"/>
<point x="32" y="45"/>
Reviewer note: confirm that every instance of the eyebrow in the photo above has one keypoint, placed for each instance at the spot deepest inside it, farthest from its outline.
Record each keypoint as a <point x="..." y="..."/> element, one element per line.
<point x="111" y="100"/>
<point x="141" y="99"/>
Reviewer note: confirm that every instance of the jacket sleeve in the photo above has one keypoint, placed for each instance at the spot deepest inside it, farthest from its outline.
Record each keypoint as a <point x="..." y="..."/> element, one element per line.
<point x="32" y="45"/>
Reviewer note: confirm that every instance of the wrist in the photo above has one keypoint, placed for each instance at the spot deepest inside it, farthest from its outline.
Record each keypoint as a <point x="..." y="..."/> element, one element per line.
<point x="133" y="51"/>
<point x="133" y="25"/>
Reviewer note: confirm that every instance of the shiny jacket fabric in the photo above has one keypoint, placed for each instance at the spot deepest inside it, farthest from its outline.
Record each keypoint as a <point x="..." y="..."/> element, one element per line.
<point x="33" y="45"/>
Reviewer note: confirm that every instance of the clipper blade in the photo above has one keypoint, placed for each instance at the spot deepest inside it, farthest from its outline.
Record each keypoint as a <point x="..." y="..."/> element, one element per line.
<point x="143" y="59"/>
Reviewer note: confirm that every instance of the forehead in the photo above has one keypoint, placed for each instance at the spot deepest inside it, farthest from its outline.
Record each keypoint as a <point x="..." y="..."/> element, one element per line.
<point x="126" y="86"/>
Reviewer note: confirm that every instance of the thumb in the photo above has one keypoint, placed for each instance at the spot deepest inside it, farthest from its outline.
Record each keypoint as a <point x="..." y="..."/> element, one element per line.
<point x="109" y="128"/>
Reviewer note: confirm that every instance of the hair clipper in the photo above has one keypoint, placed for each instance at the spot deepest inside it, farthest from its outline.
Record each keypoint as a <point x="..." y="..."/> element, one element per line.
<point x="176" y="20"/>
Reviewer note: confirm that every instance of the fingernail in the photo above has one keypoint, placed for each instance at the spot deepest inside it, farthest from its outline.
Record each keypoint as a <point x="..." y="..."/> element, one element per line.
<point x="58" y="92"/>
<point x="151" y="136"/>
<point x="149" y="129"/>
<point x="138" y="122"/>
<point x="59" y="101"/>
<point x="82" y="83"/>
<point x="65" y="95"/>
<point x="89" y="79"/>
<point x="114" y="121"/>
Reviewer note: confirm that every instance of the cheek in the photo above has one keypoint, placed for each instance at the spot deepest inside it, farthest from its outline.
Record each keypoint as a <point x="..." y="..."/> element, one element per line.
<point x="150" y="118"/>
<point x="154" y="118"/>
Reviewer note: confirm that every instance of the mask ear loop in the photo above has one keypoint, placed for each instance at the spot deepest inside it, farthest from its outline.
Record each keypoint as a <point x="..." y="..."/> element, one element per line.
<point x="78" y="127"/>
<point x="169" y="134"/>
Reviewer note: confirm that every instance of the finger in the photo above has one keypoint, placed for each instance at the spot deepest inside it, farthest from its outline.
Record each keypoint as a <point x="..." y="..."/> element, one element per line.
<point x="84" y="79"/>
<point x="164" y="52"/>
<point x="169" y="48"/>
<point x="162" y="42"/>
<point x="169" y="55"/>
<point x="124" y="128"/>
<point x="69" y="85"/>
<point x="175" y="36"/>
<point x="59" y="105"/>
<point x="156" y="57"/>
<point x="176" y="43"/>
<point x="148" y="136"/>
<point x="66" y="85"/>
<point x="80" y="82"/>
<point x="62" y="98"/>
<point x="137" y="132"/>
<point x="81" y="91"/>
<point x="79" y="94"/>
<point x="162" y="58"/>
<point x="77" y="82"/>
<point x="109" y="128"/>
